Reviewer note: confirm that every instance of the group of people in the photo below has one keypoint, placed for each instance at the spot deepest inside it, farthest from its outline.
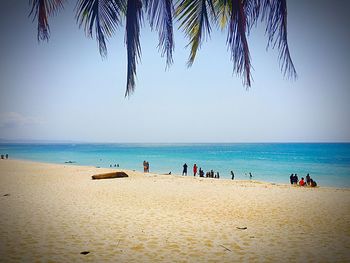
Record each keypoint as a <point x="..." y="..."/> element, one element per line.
<point x="4" y="156"/>
<point x="145" y="166"/>
<point x="115" y="165"/>
<point x="209" y="174"/>
<point x="233" y="175"/>
<point x="309" y="181"/>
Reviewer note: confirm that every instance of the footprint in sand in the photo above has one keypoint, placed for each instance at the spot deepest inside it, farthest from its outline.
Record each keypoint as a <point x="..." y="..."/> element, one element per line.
<point x="138" y="247"/>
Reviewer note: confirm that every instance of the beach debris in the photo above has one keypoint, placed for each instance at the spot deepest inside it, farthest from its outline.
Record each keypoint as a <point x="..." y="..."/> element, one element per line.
<point x="110" y="175"/>
<point x="118" y="243"/>
<point x="225" y="248"/>
<point x="6" y="195"/>
<point x="241" y="228"/>
<point x="85" y="252"/>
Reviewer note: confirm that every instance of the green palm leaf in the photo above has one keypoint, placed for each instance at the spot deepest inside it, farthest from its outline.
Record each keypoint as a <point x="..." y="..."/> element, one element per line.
<point x="223" y="12"/>
<point x="238" y="43"/>
<point x="194" y="17"/>
<point x="275" y="13"/>
<point x="103" y="16"/>
<point x="133" y="24"/>
<point x="42" y="9"/>
<point x="160" y="14"/>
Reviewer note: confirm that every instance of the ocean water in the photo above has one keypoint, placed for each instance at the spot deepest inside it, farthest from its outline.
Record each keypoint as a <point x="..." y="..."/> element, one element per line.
<point x="327" y="163"/>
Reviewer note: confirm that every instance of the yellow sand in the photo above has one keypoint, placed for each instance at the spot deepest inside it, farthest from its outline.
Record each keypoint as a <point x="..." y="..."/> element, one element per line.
<point x="54" y="212"/>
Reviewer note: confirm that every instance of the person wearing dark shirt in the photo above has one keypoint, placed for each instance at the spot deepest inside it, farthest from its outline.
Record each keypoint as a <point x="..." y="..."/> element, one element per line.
<point x="296" y="179"/>
<point x="184" y="171"/>
<point x="308" y="179"/>
<point x="201" y="173"/>
<point x="313" y="183"/>
<point x="291" y="178"/>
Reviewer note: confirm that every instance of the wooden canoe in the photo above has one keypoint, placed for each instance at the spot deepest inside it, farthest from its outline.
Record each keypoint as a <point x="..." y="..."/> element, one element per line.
<point x="109" y="175"/>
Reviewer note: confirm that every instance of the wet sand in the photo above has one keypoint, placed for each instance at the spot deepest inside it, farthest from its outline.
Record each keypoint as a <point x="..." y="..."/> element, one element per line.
<point x="53" y="212"/>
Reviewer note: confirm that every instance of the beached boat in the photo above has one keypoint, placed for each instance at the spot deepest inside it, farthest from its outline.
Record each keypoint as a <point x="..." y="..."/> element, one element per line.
<point x="109" y="175"/>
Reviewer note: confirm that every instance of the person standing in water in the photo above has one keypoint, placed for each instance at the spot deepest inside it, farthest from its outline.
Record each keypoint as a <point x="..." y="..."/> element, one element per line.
<point x="194" y="169"/>
<point x="233" y="175"/>
<point x="184" y="171"/>
<point x="250" y="176"/>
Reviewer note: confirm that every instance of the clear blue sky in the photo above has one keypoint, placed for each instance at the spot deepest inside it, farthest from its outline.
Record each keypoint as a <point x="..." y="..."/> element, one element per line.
<point x="63" y="90"/>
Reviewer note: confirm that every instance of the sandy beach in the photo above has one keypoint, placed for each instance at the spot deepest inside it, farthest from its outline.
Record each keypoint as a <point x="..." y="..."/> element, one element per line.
<point x="52" y="213"/>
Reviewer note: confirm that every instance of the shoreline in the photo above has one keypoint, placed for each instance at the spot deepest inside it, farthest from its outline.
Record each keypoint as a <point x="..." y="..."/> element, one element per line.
<point x="54" y="212"/>
<point x="179" y="175"/>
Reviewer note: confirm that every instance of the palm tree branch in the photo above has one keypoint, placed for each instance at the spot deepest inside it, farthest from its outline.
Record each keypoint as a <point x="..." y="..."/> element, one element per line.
<point x="103" y="15"/>
<point x="238" y="43"/>
<point x="160" y="15"/>
<point x="132" y="39"/>
<point x="194" y="17"/>
<point x="42" y="9"/>
<point x="275" y="12"/>
<point x="223" y="12"/>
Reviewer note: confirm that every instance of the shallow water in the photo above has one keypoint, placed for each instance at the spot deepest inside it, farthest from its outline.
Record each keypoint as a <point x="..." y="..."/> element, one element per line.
<point x="327" y="163"/>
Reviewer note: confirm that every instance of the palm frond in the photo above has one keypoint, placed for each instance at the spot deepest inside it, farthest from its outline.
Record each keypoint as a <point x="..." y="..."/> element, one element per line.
<point x="223" y="12"/>
<point x="238" y="43"/>
<point x="275" y="13"/>
<point x="133" y="24"/>
<point x="194" y="16"/>
<point x="160" y="14"/>
<point x="101" y="15"/>
<point x="252" y="10"/>
<point x="42" y="9"/>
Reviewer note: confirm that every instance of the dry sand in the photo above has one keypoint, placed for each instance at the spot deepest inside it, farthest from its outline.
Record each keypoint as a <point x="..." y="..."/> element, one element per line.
<point x="54" y="212"/>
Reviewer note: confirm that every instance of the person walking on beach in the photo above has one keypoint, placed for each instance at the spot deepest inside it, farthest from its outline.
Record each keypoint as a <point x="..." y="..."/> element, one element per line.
<point x="184" y="171"/>
<point x="233" y="175"/>
<point x="194" y="169"/>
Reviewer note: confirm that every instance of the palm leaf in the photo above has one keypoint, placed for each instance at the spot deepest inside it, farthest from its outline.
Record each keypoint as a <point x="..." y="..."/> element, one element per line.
<point x="160" y="14"/>
<point x="223" y="12"/>
<point x="275" y="13"/>
<point x="42" y="9"/>
<point x="103" y="16"/>
<point x="238" y="43"/>
<point x="194" y="16"/>
<point x="133" y="24"/>
<point x="252" y="10"/>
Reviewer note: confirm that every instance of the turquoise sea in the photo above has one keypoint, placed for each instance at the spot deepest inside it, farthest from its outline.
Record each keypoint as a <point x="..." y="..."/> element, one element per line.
<point x="327" y="163"/>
